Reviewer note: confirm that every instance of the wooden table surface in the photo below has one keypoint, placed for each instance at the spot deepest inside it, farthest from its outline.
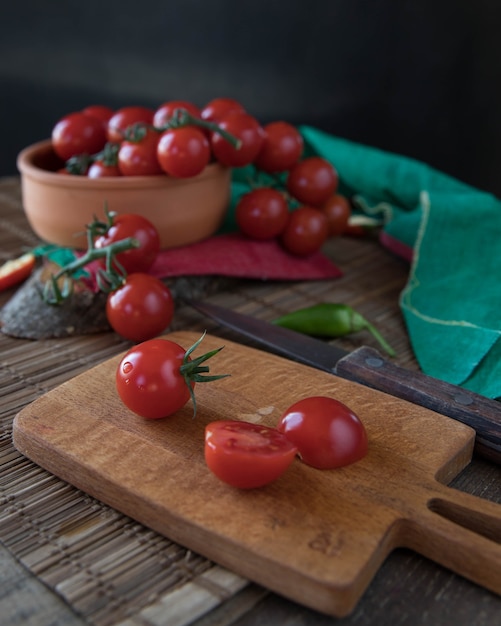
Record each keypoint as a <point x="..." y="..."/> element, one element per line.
<point x="36" y="570"/>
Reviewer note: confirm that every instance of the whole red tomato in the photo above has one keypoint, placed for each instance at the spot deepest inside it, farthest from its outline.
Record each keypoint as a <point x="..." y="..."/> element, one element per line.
<point x="262" y="213"/>
<point x="183" y="152"/>
<point x="306" y="231"/>
<point x="282" y="147"/>
<point x="165" y="111"/>
<point x="100" y="111"/>
<point x="132" y="225"/>
<point x="247" y="130"/>
<point x="312" y="181"/>
<point x="141" y="308"/>
<point x="125" y="117"/>
<point x="337" y="208"/>
<point x="325" y="431"/>
<point x="99" y="169"/>
<point x="149" y="379"/>
<point x="78" y="133"/>
<point x="246" y="455"/>
<point x="139" y="158"/>
<point x="216" y="109"/>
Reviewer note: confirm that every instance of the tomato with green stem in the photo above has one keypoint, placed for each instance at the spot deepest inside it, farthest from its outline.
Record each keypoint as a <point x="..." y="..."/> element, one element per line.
<point x="138" y="156"/>
<point x="141" y="308"/>
<point x="119" y="227"/>
<point x="305" y="232"/>
<point x="246" y="130"/>
<point x="312" y="181"/>
<point x="183" y="152"/>
<point x="326" y="432"/>
<point x="125" y="117"/>
<point x="282" y="147"/>
<point x="77" y="133"/>
<point x="157" y="377"/>
<point x="246" y="455"/>
<point x="262" y="213"/>
<point x="165" y="112"/>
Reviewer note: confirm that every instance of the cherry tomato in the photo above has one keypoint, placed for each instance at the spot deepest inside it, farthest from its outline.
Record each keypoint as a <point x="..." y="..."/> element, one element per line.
<point x="99" y="169"/>
<point x="312" y="181"/>
<point x="125" y="117"/>
<point x="149" y="379"/>
<point x="262" y="213"/>
<point x="141" y="308"/>
<point x="282" y="147"/>
<point x="243" y="127"/>
<point x="78" y="133"/>
<point x="100" y="111"/>
<point x="183" y="152"/>
<point x="338" y="210"/>
<point x="306" y="231"/>
<point x="139" y="158"/>
<point x="15" y="271"/>
<point x="216" y="109"/>
<point x="165" y="112"/>
<point x="246" y="455"/>
<point x="131" y="225"/>
<point x="326" y="432"/>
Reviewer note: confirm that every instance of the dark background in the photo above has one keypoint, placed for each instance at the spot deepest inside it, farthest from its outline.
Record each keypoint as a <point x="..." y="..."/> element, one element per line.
<point x="420" y="78"/>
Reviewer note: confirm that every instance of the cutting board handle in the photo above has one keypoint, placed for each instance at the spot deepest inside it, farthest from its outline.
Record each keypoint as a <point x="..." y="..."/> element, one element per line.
<point x="459" y="531"/>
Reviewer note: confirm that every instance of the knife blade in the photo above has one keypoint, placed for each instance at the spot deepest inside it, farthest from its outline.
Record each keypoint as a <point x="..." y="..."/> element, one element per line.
<point x="367" y="366"/>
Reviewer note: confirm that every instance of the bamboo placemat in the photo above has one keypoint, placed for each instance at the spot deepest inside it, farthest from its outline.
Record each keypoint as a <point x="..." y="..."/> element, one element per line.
<point x="110" y="569"/>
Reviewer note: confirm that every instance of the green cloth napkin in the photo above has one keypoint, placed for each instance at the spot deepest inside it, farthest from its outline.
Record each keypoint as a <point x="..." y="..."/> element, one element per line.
<point x="452" y="301"/>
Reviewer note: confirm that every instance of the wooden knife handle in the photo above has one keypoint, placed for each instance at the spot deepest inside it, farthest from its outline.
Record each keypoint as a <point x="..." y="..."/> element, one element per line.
<point x="366" y="365"/>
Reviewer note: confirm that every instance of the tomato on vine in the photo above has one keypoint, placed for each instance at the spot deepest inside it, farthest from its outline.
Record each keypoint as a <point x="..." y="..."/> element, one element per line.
<point x="78" y="133"/>
<point x="306" y="231"/>
<point x="216" y="109"/>
<point x="141" y="308"/>
<point x="99" y="169"/>
<point x="138" y="156"/>
<point x="141" y="258"/>
<point x="326" y="432"/>
<point x="157" y="377"/>
<point x="183" y="152"/>
<point x="125" y="117"/>
<point x="246" y="455"/>
<point x="247" y="130"/>
<point x="312" y="181"/>
<point x="282" y="147"/>
<point x="337" y="208"/>
<point x="165" y="112"/>
<point x="262" y="213"/>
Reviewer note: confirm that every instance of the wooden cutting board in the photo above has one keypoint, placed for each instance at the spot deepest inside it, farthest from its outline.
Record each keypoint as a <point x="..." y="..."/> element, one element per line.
<point x="317" y="537"/>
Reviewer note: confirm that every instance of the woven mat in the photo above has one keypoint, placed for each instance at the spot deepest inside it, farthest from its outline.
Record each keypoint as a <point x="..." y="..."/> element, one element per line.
<point x="110" y="569"/>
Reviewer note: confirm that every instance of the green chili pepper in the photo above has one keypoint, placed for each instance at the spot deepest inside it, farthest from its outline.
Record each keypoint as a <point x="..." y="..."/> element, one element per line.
<point x="330" y="319"/>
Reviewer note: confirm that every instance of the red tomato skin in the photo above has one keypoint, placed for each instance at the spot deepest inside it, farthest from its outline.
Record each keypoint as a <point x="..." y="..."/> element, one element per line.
<point x="77" y="133"/>
<point x="139" y="158"/>
<point x="337" y="208"/>
<point x="127" y="116"/>
<point x="141" y="308"/>
<point x="246" y="455"/>
<point x="183" y="152"/>
<point x="99" y="170"/>
<point x="148" y="379"/>
<point x="305" y="232"/>
<point x="131" y="225"/>
<point x="17" y="270"/>
<point x="262" y="213"/>
<point x="165" y="111"/>
<point x="282" y="147"/>
<point x="216" y="109"/>
<point x="243" y="127"/>
<point x="326" y="432"/>
<point x="312" y="181"/>
<point x="100" y="111"/>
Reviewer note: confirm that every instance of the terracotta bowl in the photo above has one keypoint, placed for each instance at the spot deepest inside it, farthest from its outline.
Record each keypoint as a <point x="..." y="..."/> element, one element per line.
<point x="58" y="207"/>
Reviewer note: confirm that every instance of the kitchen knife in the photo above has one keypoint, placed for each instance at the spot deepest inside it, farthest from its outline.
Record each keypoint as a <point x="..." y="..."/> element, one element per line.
<point x="367" y="366"/>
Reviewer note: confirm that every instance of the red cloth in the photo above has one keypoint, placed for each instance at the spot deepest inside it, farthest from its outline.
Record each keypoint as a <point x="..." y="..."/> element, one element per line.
<point x="238" y="256"/>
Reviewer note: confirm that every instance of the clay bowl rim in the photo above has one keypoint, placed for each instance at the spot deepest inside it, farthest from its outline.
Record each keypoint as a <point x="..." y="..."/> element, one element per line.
<point x="27" y="167"/>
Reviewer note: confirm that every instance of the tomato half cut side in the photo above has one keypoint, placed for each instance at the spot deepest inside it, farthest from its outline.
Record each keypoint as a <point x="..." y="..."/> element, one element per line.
<point x="246" y="455"/>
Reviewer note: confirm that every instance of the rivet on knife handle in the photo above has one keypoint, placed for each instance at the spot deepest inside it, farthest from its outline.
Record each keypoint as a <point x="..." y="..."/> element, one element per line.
<point x="365" y="365"/>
